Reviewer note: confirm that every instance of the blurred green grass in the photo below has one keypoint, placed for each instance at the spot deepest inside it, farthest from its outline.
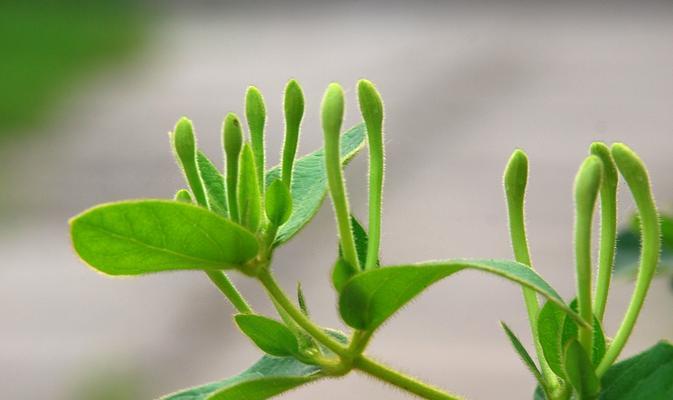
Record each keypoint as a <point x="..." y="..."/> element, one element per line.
<point x="46" y="47"/>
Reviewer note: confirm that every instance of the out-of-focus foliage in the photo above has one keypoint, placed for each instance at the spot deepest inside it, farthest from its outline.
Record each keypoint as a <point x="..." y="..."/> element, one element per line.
<point x="47" y="46"/>
<point x="628" y="248"/>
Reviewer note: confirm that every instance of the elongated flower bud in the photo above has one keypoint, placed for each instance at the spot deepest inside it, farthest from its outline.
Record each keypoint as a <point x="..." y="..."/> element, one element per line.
<point x="332" y="116"/>
<point x="184" y="144"/>
<point x="249" y="198"/>
<point x="255" y="113"/>
<point x="635" y="174"/>
<point x="232" y="139"/>
<point x="371" y="107"/>
<point x="608" y="239"/>
<point x="293" y="105"/>
<point x="587" y="186"/>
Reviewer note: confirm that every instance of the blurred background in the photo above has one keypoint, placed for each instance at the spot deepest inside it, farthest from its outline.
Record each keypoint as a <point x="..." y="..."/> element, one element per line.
<point x="89" y="90"/>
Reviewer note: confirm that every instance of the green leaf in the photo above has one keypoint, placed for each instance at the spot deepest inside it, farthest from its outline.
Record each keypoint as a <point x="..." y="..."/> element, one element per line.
<point x="213" y="184"/>
<point x="302" y="300"/>
<point x="371" y="297"/>
<point x="271" y="336"/>
<point x="556" y="330"/>
<point x="269" y="377"/>
<point x="649" y="375"/>
<point x="361" y="241"/>
<point x="145" y="236"/>
<point x="580" y="371"/>
<point x="525" y="357"/>
<point x="342" y="271"/>
<point x="549" y="330"/>
<point x="309" y="182"/>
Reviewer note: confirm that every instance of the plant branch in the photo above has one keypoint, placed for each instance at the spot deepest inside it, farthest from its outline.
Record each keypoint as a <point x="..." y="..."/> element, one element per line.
<point x="221" y="280"/>
<point x="400" y="380"/>
<point x="299" y="317"/>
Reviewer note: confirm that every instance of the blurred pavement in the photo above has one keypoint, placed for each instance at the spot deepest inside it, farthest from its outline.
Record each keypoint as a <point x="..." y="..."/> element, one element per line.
<point x="463" y="87"/>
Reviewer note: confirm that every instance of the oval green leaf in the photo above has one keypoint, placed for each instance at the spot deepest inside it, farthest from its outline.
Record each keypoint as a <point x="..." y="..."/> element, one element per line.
<point x="145" y="236"/>
<point x="271" y="336"/>
<point x="371" y="297"/>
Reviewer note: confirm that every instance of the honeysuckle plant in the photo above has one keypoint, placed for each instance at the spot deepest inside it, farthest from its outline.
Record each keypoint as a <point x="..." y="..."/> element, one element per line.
<point x="233" y="221"/>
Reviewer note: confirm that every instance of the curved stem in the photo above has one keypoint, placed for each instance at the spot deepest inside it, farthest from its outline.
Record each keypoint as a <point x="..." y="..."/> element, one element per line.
<point x="635" y="174"/>
<point x="400" y="380"/>
<point x="300" y="318"/>
<point x="221" y="280"/>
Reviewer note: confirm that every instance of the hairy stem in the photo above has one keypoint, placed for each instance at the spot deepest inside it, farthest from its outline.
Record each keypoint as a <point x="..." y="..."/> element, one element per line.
<point x="608" y="228"/>
<point x="587" y="185"/>
<point x="222" y="281"/>
<point x="635" y="174"/>
<point x="400" y="380"/>
<point x="277" y="294"/>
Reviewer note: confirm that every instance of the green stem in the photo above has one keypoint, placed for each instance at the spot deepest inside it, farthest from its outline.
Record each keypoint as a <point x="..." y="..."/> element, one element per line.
<point x="515" y="181"/>
<point x="400" y="380"/>
<point x="332" y="117"/>
<point x="300" y="318"/>
<point x="635" y="174"/>
<point x="222" y="281"/>
<point x="587" y="185"/>
<point x="608" y="228"/>
<point x="371" y="107"/>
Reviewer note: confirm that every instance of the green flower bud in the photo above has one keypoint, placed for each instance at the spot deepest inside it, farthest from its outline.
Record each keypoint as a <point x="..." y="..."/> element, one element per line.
<point x="249" y="198"/>
<point x="255" y="113"/>
<point x="232" y="140"/>
<point x="183" y="196"/>
<point x="184" y="144"/>
<point x="293" y="105"/>
<point x="278" y="203"/>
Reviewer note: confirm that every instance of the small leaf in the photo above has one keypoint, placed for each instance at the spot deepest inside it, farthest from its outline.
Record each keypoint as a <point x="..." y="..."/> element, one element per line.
<point x="269" y="377"/>
<point x="570" y="332"/>
<point x="549" y="330"/>
<point x="361" y="241"/>
<point x="146" y="236"/>
<point x="213" y="184"/>
<point x="249" y="197"/>
<point x="269" y="335"/>
<point x="648" y="375"/>
<point x="556" y="330"/>
<point x="525" y="357"/>
<point x="183" y="196"/>
<point x="301" y="300"/>
<point x="309" y="182"/>
<point x="341" y="273"/>
<point x="278" y="203"/>
<point x="371" y="297"/>
<point x="580" y="371"/>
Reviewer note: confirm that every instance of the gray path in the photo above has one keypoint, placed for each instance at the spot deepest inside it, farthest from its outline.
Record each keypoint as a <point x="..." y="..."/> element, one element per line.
<point x="463" y="87"/>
